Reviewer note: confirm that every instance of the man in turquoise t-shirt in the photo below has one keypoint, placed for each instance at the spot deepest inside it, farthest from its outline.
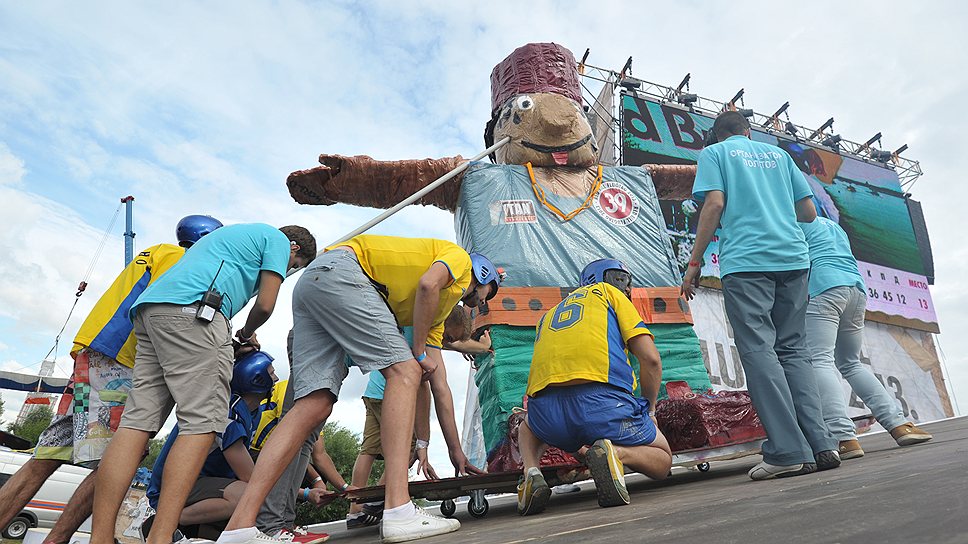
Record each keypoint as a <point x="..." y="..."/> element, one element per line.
<point x="755" y="193"/>
<point x="835" y="332"/>
<point x="185" y="361"/>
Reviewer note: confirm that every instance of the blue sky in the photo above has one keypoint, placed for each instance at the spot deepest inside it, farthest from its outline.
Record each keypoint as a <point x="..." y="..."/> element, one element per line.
<point x="205" y="108"/>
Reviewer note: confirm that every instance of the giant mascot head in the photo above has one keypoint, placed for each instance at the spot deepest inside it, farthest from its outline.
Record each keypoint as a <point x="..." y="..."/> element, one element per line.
<point x="536" y="100"/>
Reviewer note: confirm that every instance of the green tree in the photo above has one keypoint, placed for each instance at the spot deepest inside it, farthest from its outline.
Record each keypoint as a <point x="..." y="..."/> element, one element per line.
<point x="36" y="421"/>
<point x="343" y="446"/>
<point x="1" y="405"/>
<point x="154" y="449"/>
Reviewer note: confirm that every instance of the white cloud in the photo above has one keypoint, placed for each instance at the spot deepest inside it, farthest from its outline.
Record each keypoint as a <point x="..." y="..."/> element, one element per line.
<point x="11" y="167"/>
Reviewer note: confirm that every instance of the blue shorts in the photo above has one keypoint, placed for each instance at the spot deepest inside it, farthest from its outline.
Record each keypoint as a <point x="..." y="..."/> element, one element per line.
<point x="577" y="415"/>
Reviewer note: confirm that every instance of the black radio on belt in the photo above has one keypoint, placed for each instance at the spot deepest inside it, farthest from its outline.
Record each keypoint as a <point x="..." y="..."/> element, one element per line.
<point x="211" y="301"/>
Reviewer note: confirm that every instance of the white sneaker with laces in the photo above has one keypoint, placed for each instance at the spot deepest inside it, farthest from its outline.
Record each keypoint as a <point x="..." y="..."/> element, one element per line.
<point x="421" y="525"/>
<point x="262" y="538"/>
<point x="284" y="535"/>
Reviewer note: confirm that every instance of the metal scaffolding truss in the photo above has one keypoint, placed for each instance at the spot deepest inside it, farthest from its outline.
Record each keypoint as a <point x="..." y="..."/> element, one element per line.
<point x="593" y="78"/>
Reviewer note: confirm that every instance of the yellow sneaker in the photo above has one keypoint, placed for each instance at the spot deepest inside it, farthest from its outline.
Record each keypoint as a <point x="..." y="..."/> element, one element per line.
<point x="608" y="473"/>
<point x="533" y="493"/>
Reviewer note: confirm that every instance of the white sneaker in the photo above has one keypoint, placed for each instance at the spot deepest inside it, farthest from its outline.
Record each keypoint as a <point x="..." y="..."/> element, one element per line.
<point x="262" y="538"/>
<point x="421" y="525"/>
<point x="284" y="535"/>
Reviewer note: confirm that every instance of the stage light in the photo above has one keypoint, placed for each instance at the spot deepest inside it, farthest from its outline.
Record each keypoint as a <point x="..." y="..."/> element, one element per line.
<point x="739" y="95"/>
<point x="832" y="141"/>
<point x="901" y="149"/>
<point x="774" y="120"/>
<point x="684" y="84"/>
<point x="791" y="129"/>
<point x="687" y="99"/>
<point x="630" y="84"/>
<point x="881" y="155"/>
<point x="745" y="112"/>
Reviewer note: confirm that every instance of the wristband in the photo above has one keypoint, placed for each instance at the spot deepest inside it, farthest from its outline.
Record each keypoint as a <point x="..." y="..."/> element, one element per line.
<point x="306" y="494"/>
<point x="695" y="263"/>
<point x="243" y="338"/>
<point x="318" y="479"/>
<point x="344" y="487"/>
<point x="651" y="413"/>
<point x="422" y="444"/>
<point x="421" y="357"/>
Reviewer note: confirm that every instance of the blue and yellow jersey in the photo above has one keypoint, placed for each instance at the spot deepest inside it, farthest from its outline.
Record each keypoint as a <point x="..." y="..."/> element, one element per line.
<point x="396" y="264"/>
<point x="108" y="329"/>
<point x="271" y="414"/>
<point x="584" y="337"/>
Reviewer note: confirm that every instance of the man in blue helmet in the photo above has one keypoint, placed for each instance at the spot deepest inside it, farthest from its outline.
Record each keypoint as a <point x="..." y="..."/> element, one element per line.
<point x="351" y="301"/>
<point x="581" y="386"/>
<point x="229" y="465"/>
<point x="91" y="407"/>
<point x="184" y="359"/>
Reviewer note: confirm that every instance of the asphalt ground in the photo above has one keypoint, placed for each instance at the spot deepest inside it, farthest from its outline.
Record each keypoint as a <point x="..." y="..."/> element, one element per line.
<point x="916" y="494"/>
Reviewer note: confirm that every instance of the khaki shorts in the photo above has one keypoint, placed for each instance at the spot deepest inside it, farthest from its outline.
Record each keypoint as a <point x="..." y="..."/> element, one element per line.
<point x="181" y="362"/>
<point x="89" y="411"/>
<point x="371" y="429"/>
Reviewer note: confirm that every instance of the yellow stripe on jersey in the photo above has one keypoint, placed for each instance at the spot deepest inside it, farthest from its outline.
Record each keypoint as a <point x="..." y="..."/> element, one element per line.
<point x="271" y="414"/>
<point x="584" y="337"/>
<point x="108" y="329"/>
<point x="397" y="264"/>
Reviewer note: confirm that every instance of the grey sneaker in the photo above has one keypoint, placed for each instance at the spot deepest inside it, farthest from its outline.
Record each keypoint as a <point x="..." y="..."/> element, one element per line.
<point x="766" y="471"/>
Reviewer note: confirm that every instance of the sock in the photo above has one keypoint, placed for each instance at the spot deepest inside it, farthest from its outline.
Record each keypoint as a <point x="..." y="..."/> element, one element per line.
<point x="403" y="511"/>
<point x="237" y="536"/>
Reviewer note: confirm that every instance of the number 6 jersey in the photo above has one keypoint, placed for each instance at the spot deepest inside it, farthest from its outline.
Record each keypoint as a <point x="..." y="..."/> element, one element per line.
<point x="584" y="337"/>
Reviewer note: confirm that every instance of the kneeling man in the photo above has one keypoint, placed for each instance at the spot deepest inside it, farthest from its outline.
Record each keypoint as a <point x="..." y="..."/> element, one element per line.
<point x="581" y="385"/>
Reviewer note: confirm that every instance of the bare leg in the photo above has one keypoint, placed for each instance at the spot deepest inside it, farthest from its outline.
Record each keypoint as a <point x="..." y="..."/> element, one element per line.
<point x="78" y="509"/>
<point x="212" y="510"/>
<point x="531" y="447"/>
<point x="307" y="413"/>
<point x="182" y="467"/>
<point x="123" y="455"/>
<point x="653" y="460"/>
<point x="23" y="485"/>
<point x="361" y="474"/>
<point x="396" y="430"/>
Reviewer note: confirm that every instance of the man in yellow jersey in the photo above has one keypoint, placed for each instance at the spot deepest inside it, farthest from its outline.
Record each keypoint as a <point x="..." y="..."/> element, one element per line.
<point x="351" y="301"/>
<point x="581" y="390"/>
<point x="91" y="406"/>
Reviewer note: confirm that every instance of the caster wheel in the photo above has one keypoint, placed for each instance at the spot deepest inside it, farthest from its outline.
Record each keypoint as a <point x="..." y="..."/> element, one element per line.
<point x="477" y="508"/>
<point x="703" y="467"/>
<point x="448" y="508"/>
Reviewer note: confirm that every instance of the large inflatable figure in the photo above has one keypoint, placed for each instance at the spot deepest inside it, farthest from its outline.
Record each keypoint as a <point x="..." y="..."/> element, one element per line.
<point x="542" y="211"/>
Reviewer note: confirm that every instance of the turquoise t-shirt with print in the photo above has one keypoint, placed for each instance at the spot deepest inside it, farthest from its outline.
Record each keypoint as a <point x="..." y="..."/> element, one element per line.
<point x="761" y="184"/>
<point x="831" y="262"/>
<point x="242" y="250"/>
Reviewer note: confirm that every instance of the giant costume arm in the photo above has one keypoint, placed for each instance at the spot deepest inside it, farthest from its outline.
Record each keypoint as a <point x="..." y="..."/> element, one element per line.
<point x="363" y="181"/>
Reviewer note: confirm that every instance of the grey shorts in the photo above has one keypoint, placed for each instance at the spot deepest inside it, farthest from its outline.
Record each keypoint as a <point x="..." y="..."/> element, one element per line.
<point x="180" y="361"/>
<point x="337" y="312"/>
<point x="208" y="487"/>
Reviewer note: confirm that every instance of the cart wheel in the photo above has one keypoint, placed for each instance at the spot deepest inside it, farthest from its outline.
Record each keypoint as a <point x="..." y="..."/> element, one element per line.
<point x="703" y="467"/>
<point x="477" y="507"/>
<point x="448" y="508"/>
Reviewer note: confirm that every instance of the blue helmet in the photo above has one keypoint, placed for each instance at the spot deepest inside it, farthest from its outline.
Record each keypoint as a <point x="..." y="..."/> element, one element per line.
<point x="192" y="227"/>
<point x="485" y="272"/>
<point x="251" y="373"/>
<point x="595" y="272"/>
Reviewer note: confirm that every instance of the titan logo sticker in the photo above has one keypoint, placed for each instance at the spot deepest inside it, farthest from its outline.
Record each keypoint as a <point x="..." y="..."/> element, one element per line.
<point x="518" y="211"/>
<point x="616" y="204"/>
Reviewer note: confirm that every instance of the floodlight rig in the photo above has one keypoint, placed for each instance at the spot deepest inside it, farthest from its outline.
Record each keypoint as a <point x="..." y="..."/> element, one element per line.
<point x="774" y="119"/>
<point x="829" y="123"/>
<point x="731" y="105"/>
<point x="866" y="145"/>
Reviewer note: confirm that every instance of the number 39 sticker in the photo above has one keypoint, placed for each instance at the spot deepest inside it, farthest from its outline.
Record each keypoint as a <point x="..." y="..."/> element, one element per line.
<point x="616" y="204"/>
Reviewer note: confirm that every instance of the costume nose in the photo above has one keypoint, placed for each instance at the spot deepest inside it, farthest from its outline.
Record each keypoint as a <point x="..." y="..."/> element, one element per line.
<point x="556" y="114"/>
